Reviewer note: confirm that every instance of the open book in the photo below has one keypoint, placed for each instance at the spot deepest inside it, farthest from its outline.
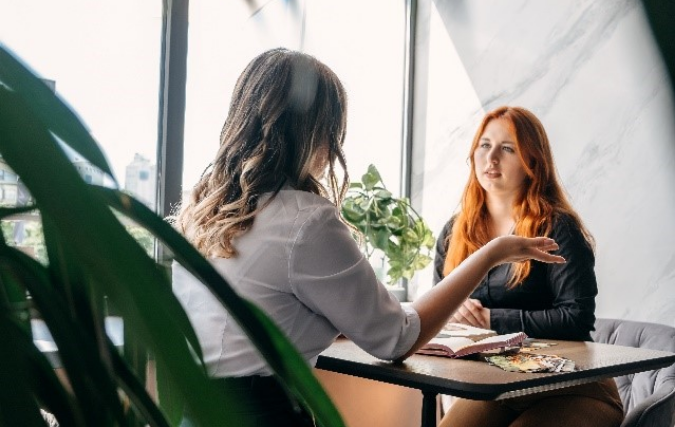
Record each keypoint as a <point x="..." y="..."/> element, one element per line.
<point x="462" y="346"/>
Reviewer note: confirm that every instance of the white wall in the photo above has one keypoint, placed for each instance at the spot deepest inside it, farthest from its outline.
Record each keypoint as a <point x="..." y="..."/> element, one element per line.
<point x="591" y="72"/>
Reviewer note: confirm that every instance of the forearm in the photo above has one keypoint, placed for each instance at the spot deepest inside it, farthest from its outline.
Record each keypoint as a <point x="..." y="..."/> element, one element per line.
<point x="573" y="322"/>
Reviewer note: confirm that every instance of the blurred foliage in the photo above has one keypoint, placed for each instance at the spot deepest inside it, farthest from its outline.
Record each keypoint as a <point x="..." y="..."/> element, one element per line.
<point x="90" y="256"/>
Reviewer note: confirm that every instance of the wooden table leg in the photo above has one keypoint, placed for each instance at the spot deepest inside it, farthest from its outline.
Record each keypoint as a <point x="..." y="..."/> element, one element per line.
<point x="429" y="409"/>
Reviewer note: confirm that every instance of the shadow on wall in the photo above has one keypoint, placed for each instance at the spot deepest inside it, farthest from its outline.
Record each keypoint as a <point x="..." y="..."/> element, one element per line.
<point x="661" y="15"/>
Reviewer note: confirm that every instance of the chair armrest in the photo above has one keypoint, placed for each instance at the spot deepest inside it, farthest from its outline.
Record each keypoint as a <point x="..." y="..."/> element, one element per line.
<point x="656" y="410"/>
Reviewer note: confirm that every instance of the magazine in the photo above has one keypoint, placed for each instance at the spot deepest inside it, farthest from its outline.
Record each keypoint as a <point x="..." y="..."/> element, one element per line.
<point x="449" y="346"/>
<point x="531" y="362"/>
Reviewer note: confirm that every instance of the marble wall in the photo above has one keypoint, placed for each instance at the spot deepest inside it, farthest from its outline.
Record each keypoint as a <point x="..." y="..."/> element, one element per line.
<point x="592" y="73"/>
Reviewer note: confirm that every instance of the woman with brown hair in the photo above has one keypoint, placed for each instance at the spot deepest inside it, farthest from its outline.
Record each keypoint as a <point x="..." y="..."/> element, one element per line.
<point x="514" y="189"/>
<point x="265" y="213"/>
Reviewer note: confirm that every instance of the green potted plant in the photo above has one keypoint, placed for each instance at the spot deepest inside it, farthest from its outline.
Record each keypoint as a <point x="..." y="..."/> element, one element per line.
<point x="94" y="262"/>
<point x="393" y="236"/>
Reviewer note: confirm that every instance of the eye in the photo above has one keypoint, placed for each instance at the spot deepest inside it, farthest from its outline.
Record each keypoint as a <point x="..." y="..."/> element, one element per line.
<point x="484" y="145"/>
<point x="508" y="149"/>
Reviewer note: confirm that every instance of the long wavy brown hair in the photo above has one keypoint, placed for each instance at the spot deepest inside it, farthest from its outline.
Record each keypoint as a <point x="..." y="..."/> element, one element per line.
<point x="288" y="112"/>
<point x="541" y="199"/>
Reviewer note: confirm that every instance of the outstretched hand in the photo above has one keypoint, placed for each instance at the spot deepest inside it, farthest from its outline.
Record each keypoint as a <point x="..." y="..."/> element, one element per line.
<point x="517" y="249"/>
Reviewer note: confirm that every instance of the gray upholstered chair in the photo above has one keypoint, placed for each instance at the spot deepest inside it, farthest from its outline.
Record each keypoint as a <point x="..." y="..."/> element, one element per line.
<point x="648" y="397"/>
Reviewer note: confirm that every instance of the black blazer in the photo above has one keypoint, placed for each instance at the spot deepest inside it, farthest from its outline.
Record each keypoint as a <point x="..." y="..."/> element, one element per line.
<point x="556" y="301"/>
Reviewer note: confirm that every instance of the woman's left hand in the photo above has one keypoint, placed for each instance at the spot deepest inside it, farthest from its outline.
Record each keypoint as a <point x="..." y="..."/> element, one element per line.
<point x="472" y="313"/>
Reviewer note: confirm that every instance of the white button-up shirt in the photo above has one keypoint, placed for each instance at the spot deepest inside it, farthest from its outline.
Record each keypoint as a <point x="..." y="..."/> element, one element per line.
<point x="300" y="264"/>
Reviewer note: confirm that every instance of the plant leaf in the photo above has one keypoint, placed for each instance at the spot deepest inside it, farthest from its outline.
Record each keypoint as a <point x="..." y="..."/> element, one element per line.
<point x="81" y="361"/>
<point x="122" y="269"/>
<point x="271" y="342"/>
<point x="383" y="195"/>
<point x="371" y="178"/>
<point x="129" y="383"/>
<point x="381" y="238"/>
<point x="41" y="376"/>
<point x="13" y="371"/>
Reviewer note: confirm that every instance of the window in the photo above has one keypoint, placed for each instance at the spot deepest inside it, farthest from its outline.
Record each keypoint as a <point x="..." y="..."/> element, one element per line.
<point x="225" y="36"/>
<point x="110" y="77"/>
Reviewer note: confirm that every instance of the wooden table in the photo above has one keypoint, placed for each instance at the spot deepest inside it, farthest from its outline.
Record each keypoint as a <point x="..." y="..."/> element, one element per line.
<point x="475" y="379"/>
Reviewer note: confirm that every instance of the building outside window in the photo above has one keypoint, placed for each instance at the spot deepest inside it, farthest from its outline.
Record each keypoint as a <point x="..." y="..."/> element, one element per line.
<point x="140" y="180"/>
<point x="110" y="77"/>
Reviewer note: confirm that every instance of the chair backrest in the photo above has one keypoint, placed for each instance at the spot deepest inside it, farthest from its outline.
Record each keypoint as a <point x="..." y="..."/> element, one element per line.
<point x="648" y="397"/>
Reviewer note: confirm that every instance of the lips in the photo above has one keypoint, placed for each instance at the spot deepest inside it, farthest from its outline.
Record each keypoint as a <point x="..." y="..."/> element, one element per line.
<point x="492" y="173"/>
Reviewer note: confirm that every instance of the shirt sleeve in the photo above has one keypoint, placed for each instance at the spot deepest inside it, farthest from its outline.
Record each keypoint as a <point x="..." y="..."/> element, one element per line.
<point x="573" y="287"/>
<point x="329" y="275"/>
<point x="441" y="253"/>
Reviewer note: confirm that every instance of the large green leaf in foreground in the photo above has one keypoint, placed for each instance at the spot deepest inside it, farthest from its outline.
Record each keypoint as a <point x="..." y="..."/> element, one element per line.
<point x="91" y="255"/>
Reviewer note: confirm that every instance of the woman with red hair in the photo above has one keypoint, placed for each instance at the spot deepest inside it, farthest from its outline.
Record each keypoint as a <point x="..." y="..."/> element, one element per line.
<point x="514" y="188"/>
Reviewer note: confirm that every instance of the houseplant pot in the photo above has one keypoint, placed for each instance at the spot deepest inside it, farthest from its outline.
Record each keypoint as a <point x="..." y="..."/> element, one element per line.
<point x="393" y="236"/>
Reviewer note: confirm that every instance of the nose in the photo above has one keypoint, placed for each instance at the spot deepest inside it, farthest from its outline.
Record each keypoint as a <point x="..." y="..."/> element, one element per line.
<point x="493" y="156"/>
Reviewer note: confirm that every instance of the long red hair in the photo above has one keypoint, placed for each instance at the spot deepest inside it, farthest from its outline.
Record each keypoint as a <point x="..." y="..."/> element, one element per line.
<point x="542" y="196"/>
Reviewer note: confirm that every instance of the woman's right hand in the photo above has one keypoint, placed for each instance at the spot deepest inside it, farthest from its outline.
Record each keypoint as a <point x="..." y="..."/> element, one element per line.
<point x="505" y="249"/>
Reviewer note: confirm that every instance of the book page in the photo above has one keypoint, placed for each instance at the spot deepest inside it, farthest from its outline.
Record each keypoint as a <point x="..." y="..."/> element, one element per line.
<point x="461" y="330"/>
<point x="454" y="344"/>
<point x="499" y="338"/>
<point x="446" y="344"/>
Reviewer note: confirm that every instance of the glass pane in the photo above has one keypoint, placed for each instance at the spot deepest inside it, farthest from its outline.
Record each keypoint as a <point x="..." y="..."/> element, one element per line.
<point x="368" y="58"/>
<point x="103" y="59"/>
